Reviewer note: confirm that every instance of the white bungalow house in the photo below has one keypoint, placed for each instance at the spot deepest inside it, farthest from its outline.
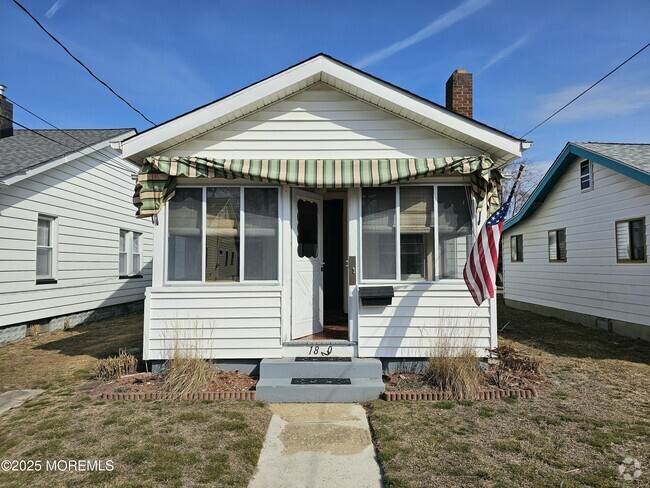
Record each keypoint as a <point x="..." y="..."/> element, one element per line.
<point x="355" y="204"/>
<point x="578" y="249"/>
<point x="70" y="249"/>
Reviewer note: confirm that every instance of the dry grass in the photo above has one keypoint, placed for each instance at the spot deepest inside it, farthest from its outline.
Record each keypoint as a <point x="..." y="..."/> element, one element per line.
<point x="163" y="443"/>
<point x="35" y="330"/>
<point x="112" y="368"/>
<point x="186" y="372"/>
<point x="453" y="369"/>
<point x="593" y="411"/>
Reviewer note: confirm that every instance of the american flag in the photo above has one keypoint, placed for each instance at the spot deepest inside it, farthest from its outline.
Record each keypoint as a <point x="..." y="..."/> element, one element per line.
<point x="481" y="268"/>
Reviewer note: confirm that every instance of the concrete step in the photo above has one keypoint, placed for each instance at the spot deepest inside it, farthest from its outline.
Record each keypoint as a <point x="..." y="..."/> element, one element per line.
<point x="280" y="390"/>
<point x="290" y="368"/>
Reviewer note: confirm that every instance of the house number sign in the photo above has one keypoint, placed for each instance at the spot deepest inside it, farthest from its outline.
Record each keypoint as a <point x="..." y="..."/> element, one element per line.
<point x="316" y="350"/>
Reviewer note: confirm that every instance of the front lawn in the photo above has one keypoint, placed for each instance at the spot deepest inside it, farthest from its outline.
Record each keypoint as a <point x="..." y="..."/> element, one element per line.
<point x="593" y="412"/>
<point x="162" y="443"/>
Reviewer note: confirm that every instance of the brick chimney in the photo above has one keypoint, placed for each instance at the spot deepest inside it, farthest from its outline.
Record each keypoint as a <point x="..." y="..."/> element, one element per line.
<point x="459" y="93"/>
<point x="7" y="113"/>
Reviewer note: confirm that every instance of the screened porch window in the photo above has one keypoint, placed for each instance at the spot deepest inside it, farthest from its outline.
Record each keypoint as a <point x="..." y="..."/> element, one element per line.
<point x="221" y="234"/>
<point x="410" y="213"/>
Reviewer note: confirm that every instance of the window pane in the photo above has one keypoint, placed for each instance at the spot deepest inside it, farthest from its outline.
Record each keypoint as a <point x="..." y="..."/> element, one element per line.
<point x="261" y="234"/>
<point x="136" y="243"/>
<point x="184" y="229"/>
<point x="637" y="239"/>
<point x="378" y="233"/>
<point x="122" y="241"/>
<point x="43" y="234"/>
<point x="307" y="229"/>
<point x="123" y="270"/>
<point x="44" y="262"/>
<point x="622" y="240"/>
<point x="416" y="233"/>
<point x="136" y="264"/>
<point x="455" y="233"/>
<point x="552" y="245"/>
<point x="561" y="245"/>
<point x="222" y="234"/>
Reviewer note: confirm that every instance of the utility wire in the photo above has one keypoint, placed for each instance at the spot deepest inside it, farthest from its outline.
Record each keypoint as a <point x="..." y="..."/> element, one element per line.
<point x="85" y="144"/>
<point x="82" y="64"/>
<point x="585" y="91"/>
<point x="64" y="145"/>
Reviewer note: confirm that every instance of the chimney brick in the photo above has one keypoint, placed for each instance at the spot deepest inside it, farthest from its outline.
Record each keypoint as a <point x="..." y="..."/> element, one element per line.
<point x="459" y="93"/>
<point x="7" y="113"/>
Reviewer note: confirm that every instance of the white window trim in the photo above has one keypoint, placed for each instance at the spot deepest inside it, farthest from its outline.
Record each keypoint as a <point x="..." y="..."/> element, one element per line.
<point x="128" y="247"/>
<point x="591" y="175"/>
<point x="242" y="281"/>
<point x="437" y="278"/>
<point x="54" y="246"/>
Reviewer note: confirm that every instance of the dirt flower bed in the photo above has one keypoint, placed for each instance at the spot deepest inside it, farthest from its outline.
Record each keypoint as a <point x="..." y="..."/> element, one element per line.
<point x="154" y="383"/>
<point x="509" y="369"/>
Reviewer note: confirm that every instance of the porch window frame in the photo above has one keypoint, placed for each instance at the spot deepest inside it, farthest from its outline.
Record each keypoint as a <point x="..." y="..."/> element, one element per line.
<point x="436" y="241"/>
<point x="242" y="239"/>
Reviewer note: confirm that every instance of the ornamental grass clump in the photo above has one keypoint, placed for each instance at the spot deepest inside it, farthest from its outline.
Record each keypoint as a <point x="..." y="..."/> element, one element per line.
<point x="186" y="372"/>
<point x="453" y="367"/>
<point x="112" y="368"/>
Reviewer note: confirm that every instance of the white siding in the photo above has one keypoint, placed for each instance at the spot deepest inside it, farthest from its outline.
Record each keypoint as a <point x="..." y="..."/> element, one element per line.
<point x="321" y="122"/>
<point x="217" y="322"/>
<point x="91" y="201"/>
<point x="591" y="281"/>
<point x="423" y="316"/>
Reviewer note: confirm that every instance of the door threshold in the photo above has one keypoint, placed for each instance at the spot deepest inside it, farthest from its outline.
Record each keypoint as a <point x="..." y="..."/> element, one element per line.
<point x="318" y="342"/>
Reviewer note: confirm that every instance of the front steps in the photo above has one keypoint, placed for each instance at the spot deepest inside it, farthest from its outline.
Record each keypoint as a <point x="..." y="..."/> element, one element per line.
<point x="275" y="383"/>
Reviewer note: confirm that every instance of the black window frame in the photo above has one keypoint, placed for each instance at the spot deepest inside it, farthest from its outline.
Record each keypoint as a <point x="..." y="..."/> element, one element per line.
<point x="558" y="247"/>
<point x="518" y="248"/>
<point x="631" y="240"/>
<point x="589" y="175"/>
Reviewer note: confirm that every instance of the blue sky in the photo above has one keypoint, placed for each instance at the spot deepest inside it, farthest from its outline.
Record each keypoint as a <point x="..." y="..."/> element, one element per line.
<point x="168" y="57"/>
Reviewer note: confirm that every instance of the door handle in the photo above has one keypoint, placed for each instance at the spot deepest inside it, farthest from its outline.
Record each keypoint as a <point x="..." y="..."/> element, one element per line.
<point x="322" y="267"/>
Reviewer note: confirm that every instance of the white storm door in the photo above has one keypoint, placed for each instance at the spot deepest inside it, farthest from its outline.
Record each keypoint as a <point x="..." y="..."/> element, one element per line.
<point x="307" y="264"/>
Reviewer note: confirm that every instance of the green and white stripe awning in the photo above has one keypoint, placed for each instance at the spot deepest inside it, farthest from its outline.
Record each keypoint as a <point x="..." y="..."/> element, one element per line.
<point x="156" y="181"/>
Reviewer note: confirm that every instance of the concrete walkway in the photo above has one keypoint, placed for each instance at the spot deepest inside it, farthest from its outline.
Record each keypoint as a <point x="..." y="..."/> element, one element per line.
<point x="15" y="398"/>
<point x="317" y="445"/>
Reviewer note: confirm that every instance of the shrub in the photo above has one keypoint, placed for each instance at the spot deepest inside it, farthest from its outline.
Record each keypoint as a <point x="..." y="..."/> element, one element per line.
<point x="453" y="366"/>
<point x="114" y="367"/>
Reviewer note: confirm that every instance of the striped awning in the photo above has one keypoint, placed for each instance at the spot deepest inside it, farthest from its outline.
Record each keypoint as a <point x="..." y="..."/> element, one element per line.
<point x="156" y="182"/>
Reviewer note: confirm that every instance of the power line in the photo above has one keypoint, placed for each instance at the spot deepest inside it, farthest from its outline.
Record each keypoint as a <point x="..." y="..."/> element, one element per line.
<point x="82" y="64"/>
<point x="85" y="144"/>
<point x="109" y="163"/>
<point x="585" y="91"/>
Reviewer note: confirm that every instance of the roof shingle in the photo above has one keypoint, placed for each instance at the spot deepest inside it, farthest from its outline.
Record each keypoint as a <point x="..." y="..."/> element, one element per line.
<point x="25" y="149"/>
<point x="635" y="155"/>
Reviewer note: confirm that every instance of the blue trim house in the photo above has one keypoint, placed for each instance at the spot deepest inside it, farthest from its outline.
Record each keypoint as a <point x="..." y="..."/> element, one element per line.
<point x="578" y="249"/>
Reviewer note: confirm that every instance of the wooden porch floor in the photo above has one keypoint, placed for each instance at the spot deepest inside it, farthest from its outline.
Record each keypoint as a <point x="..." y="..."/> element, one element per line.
<point x="335" y="328"/>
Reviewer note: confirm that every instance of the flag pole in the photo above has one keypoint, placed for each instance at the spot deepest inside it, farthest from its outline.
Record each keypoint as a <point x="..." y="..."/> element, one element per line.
<point x="514" y="185"/>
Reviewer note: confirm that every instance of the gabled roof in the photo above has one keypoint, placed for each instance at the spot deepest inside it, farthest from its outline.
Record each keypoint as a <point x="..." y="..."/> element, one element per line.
<point x="27" y="149"/>
<point x="346" y="78"/>
<point x="631" y="160"/>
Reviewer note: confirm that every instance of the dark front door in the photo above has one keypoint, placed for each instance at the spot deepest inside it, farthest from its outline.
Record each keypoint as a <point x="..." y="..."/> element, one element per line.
<point x="334" y="259"/>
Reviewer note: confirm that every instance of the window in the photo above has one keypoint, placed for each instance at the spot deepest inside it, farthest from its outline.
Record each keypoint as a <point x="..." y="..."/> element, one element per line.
<point x="517" y="248"/>
<point x="307" y="229"/>
<point x="631" y="241"/>
<point x="45" y="255"/>
<point x="402" y="245"/>
<point x="130" y="261"/>
<point x="586" y="175"/>
<point x="236" y="240"/>
<point x="557" y="245"/>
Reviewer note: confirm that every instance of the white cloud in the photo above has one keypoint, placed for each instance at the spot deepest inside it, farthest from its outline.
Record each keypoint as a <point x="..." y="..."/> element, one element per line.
<point x="611" y="98"/>
<point x="55" y="8"/>
<point x="504" y="53"/>
<point x="465" y="9"/>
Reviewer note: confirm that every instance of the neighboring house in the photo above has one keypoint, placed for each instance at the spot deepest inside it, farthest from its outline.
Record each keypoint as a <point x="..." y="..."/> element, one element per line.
<point x="70" y="247"/>
<point x="578" y="249"/>
<point x="320" y="152"/>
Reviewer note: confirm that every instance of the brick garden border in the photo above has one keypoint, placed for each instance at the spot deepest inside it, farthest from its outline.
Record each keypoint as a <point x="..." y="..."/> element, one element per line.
<point x="394" y="396"/>
<point x="206" y="395"/>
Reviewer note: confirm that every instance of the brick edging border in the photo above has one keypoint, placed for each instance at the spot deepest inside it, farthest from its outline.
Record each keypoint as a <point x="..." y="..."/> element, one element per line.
<point x="393" y="396"/>
<point x="206" y="395"/>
